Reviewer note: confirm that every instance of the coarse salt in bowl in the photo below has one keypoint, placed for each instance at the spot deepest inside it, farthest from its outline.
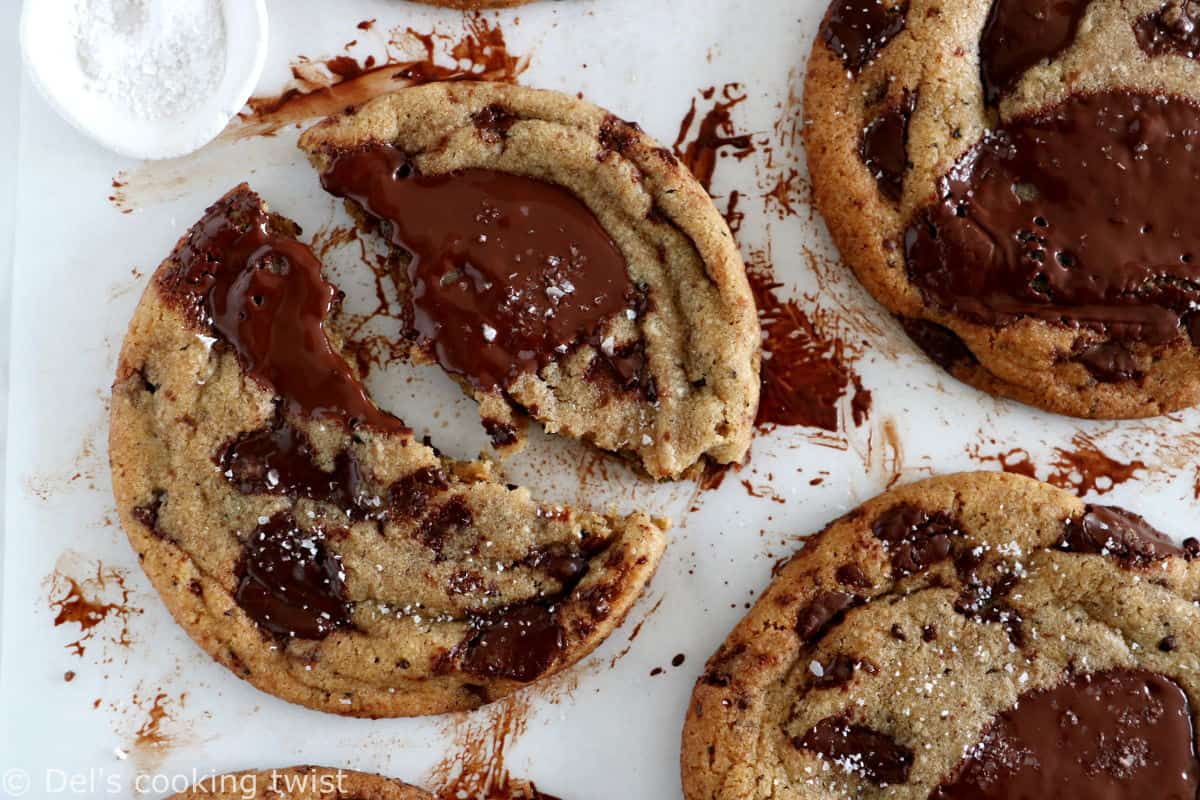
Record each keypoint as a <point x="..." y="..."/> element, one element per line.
<point x="146" y="78"/>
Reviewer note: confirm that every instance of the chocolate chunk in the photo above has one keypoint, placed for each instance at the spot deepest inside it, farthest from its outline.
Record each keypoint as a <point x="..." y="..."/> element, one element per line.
<point x="1118" y="534"/>
<point x="452" y="516"/>
<point x="290" y="583"/>
<point x="558" y="561"/>
<point x="1117" y="735"/>
<point x="1191" y="548"/>
<point x="985" y="603"/>
<point x="493" y="122"/>
<point x="263" y="294"/>
<point x="939" y="343"/>
<point x="509" y="273"/>
<point x="1168" y="644"/>
<point x="840" y="670"/>
<point x="617" y="135"/>
<point x="280" y="460"/>
<point x="409" y="496"/>
<point x="852" y="575"/>
<point x="1020" y="34"/>
<point x="518" y="643"/>
<point x="856" y="30"/>
<point x="884" y="146"/>
<point x="826" y="610"/>
<point x="148" y="514"/>
<point x="859" y="750"/>
<point x="1109" y="362"/>
<point x="501" y="433"/>
<point x="915" y="538"/>
<point x="898" y="633"/>
<point x="929" y="633"/>
<point x="1078" y="214"/>
<point x="1173" y="29"/>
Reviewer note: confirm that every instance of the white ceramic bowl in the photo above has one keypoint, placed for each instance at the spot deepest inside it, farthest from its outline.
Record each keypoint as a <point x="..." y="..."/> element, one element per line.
<point x="48" y="47"/>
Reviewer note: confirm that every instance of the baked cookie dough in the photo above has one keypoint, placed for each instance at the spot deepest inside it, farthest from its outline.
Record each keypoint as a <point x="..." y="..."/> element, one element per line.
<point x="559" y="264"/>
<point x="1014" y="180"/>
<point x="981" y="636"/>
<point x="301" y="535"/>
<point x="301" y="783"/>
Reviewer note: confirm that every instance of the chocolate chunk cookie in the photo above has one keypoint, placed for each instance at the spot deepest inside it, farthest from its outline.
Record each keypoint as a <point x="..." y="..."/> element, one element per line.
<point x="981" y="635"/>
<point x="301" y="535"/>
<point x="301" y="783"/>
<point x="559" y="264"/>
<point x="1013" y="179"/>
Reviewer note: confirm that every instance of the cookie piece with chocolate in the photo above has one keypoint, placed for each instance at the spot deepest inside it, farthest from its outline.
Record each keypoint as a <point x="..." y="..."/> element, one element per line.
<point x="560" y="264"/>
<point x="1012" y="179"/>
<point x="300" y="783"/>
<point x="981" y="635"/>
<point x="302" y="535"/>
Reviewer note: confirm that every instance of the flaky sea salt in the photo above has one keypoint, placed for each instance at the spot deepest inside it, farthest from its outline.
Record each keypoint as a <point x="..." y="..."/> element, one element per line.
<point x="159" y="58"/>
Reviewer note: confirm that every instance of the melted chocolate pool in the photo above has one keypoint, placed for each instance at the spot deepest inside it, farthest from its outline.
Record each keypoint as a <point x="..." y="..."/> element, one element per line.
<point x="1081" y="214"/>
<point x="508" y="273"/>
<point x="1116" y="735"/>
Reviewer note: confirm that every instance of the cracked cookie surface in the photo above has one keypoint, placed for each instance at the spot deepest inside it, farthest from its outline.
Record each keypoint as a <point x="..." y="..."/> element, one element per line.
<point x="943" y="637"/>
<point x="1011" y="180"/>
<point x="301" y="535"/>
<point x="301" y="783"/>
<point x="658" y="359"/>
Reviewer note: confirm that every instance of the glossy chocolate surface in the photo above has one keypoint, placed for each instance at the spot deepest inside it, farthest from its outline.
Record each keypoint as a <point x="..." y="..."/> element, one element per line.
<point x="1115" y="735"/>
<point x="508" y="273"/>
<point x="1081" y="214"/>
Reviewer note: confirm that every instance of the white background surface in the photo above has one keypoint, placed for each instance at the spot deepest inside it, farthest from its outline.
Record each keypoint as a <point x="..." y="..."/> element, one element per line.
<point x="603" y="730"/>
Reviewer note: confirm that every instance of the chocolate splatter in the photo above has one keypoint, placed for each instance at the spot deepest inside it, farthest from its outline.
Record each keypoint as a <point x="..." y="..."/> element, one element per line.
<point x="714" y="131"/>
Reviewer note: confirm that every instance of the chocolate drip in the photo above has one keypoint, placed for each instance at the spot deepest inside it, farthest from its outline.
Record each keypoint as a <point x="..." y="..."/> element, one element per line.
<point x="856" y="30"/>
<point x="1118" y="534"/>
<point x="859" y="750"/>
<point x="915" y="538"/>
<point x="1020" y="34"/>
<point x="1079" y="214"/>
<point x="884" y="146"/>
<point x="1174" y="29"/>
<point x="262" y="293"/>
<point x="1116" y="735"/>
<point x="290" y="584"/>
<point x="508" y="273"/>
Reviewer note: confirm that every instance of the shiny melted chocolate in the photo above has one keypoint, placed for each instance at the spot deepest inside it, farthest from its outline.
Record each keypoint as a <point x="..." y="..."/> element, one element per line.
<point x="290" y="583"/>
<point x="1079" y="214"/>
<point x="1019" y="34"/>
<point x="1115" y="735"/>
<point x="262" y="293"/>
<point x="1174" y="29"/>
<point x="508" y="273"/>
<point x="1119" y="534"/>
<point x="884" y="146"/>
<point x="856" y="30"/>
<point x="859" y="750"/>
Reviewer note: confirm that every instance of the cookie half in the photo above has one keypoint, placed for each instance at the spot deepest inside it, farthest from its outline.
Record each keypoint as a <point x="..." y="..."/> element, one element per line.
<point x="559" y="264"/>
<point x="301" y="783"/>
<point x="1014" y="182"/>
<point x="981" y="635"/>
<point x="301" y="535"/>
